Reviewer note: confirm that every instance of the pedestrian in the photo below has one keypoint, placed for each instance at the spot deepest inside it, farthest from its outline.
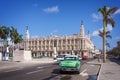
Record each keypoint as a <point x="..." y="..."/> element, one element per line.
<point x="98" y="58"/>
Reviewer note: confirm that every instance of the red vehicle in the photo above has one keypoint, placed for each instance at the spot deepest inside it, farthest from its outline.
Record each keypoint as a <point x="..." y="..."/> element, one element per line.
<point x="85" y="57"/>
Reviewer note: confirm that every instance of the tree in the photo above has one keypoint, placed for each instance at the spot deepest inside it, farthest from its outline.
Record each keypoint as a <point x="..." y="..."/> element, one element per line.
<point x="5" y="32"/>
<point x="1" y="31"/>
<point x="18" y="39"/>
<point x="107" y="36"/>
<point x="118" y="48"/>
<point x="15" y="36"/>
<point x="106" y="14"/>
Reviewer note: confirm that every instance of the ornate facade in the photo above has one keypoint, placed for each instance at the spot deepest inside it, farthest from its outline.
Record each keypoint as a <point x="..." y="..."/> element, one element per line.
<point x="78" y="44"/>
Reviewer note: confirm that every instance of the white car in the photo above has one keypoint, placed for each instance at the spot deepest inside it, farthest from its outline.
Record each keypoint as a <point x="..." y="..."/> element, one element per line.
<point x="80" y="58"/>
<point x="60" y="57"/>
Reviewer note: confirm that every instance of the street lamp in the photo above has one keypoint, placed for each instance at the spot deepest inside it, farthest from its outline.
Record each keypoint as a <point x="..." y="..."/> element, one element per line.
<point x="55" y="52"/>
<point x="72" y="50"/>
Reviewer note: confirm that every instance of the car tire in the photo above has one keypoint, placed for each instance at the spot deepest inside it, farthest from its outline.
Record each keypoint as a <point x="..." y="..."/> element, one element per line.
<point x="78" y="72"/>
<point x="61" y="72"/>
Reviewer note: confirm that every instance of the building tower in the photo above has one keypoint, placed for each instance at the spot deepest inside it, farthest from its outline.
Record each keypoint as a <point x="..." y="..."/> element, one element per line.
<point x="82" y="29"/>
<point x="27" y="34"/>
<point x="88" y="35"/>
<point x="27" y="39"/>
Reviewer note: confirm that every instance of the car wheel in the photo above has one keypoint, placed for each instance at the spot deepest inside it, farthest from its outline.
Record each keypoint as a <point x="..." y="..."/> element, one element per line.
<point x="61" y="71"/>
<point x="78" y="72"/>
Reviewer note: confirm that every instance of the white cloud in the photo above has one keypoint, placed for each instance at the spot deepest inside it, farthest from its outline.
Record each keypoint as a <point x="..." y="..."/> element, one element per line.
<point x="53" y="9"/>
<point x="95" y="33"/>
<point x="96" y="17"/>
<point x="117" y="12"/>
<point x="109" y="27"/>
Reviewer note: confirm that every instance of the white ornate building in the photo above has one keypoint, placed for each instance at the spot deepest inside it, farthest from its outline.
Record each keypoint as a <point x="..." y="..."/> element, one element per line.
<point x="78" y="44"/>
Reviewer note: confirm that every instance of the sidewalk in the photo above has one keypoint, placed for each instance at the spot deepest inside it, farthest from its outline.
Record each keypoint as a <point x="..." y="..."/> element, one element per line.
<point x="110" y="70"/>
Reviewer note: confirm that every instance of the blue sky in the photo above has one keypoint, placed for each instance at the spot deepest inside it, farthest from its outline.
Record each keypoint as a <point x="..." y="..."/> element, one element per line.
<point x="59" y="17"/>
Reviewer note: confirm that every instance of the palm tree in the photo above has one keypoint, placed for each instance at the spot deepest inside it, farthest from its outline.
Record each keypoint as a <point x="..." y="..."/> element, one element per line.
<point x="15" y="36"/>
<point x="107" y="36"/>
<point x="106" y="14"/>
<point x="5" y="32"/>
<point x="1" y="31"/>
<point x="18" y="39"/>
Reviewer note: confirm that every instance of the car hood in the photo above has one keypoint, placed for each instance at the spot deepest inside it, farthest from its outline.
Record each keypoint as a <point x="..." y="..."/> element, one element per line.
<point x="68" y="63"/>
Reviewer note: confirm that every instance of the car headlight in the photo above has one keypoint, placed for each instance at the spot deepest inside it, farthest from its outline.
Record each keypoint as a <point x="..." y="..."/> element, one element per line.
<point x="77" y="64"/>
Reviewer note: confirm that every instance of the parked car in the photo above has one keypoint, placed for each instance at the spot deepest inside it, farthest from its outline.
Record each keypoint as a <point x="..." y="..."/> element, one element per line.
<point x="79" y="57"/>
<point x="70" y="63"/>
<point x="85" y="57"/>
<point x="60" y="57"/>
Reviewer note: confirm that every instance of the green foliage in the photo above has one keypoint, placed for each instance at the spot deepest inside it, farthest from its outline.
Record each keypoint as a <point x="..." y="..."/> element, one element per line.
<point x="15" y="36"/>
<point x="4" y="32"/>
<point x="116" y="50"/>
<point x="12" y="32"/>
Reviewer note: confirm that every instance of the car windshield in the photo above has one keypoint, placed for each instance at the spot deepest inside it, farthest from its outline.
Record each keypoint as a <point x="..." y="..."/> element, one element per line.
<point x="70" y="58"/>
<point x="61" y="56"/>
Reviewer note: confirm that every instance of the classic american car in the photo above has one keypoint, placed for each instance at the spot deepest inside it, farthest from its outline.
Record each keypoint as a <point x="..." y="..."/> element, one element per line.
<point x="70" y="63"/>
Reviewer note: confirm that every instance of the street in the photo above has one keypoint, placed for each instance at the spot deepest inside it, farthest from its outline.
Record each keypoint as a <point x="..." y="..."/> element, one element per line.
<point x="48" y="71"/>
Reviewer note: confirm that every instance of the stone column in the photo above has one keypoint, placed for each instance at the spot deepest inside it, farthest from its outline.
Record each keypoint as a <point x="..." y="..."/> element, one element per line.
<point x="55" y="52"/>
<point x="0" y="56"/>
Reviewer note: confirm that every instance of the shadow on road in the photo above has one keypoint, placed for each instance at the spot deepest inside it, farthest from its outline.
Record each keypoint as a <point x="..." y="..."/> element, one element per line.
<point x="115" y="60"/>
<point x="57" y="71"/>
<point x="92" y="77"/>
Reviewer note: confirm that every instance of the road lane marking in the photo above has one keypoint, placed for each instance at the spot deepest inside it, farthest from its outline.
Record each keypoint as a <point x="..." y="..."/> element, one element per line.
<point x="43" y="67"/>
<point x="34" y="72"/>
<point x="40" y="67"/>
<point x="13" y="70"/>
<point x="84" y="73"/>
<point x="84" y="70"/>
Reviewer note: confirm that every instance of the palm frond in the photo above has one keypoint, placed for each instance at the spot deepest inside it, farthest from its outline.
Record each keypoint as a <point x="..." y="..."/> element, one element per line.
<point x="100" y="33"/>
<point x="109" y="36"/>
<point x="108" y="45"/>
<point x="101" y="11"/>
<point x="111" y="21"/>
<point x="108" y="32"/>
<point x="112" y="10"/>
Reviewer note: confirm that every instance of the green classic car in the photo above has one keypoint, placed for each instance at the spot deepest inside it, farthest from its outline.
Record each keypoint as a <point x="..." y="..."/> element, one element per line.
<point x="70" y="63"/>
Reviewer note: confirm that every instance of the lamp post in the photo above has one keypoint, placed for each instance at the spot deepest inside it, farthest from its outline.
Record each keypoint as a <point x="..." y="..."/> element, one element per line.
<point x="55" y="52"/>
<point x="7" y="51"/>
<point x="88" y="51"/>
<point x="72" y="50"/>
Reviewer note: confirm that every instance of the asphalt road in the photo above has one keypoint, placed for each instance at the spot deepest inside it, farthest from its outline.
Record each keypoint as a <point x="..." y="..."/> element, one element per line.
<point x="47" y="72"/>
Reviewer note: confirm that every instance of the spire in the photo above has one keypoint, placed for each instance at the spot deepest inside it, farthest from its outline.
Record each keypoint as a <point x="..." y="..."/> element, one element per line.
<point x="26" y="27"/>
<point x="27" y="33"/>
<point x="81" y="22"/>
<point x="88" y="34"/>
<point x="82" y="29"/>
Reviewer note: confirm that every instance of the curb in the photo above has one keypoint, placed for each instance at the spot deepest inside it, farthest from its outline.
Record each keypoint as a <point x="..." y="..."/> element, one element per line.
<point x="99" y="72"/>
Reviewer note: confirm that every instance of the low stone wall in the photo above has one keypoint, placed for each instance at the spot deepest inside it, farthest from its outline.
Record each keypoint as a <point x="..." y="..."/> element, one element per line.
<point x="0" y="56"/>
<point x="21" y="55"/>
<point x="27" y="55"/>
